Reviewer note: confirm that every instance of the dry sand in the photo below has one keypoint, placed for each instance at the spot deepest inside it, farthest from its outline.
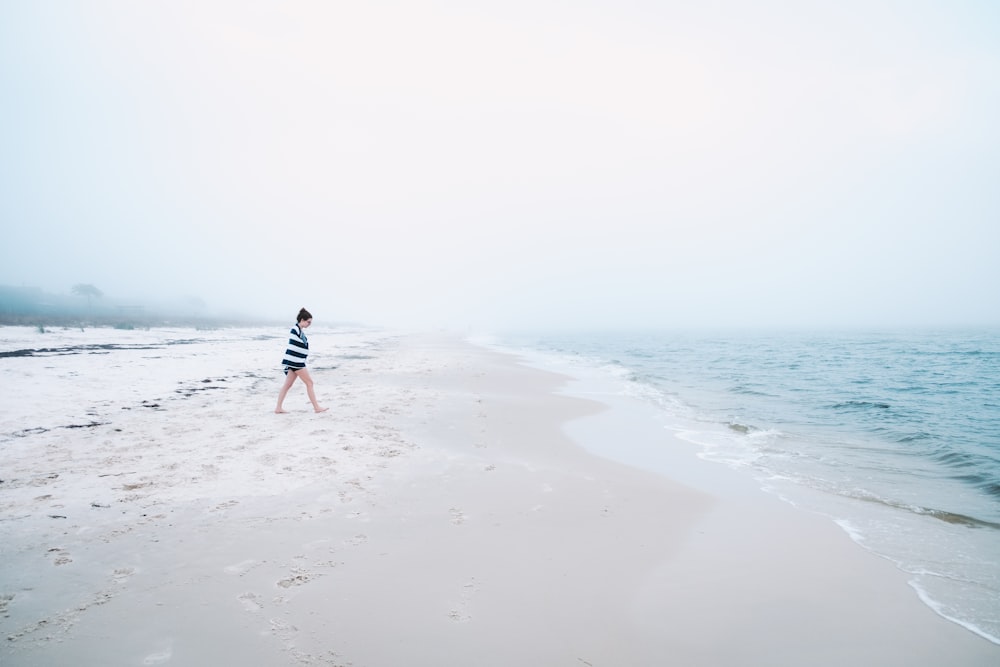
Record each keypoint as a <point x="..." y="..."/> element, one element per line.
<point x="454" y="507"/>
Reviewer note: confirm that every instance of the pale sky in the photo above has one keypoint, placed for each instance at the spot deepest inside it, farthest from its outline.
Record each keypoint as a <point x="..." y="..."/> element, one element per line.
<point x="488" y="165"/>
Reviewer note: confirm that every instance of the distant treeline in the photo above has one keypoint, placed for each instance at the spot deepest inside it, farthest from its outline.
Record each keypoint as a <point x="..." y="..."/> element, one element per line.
<point x="31" y="306"/>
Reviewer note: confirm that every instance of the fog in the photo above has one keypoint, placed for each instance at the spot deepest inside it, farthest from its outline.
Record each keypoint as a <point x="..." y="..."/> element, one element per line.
<point x="493" y="165"/>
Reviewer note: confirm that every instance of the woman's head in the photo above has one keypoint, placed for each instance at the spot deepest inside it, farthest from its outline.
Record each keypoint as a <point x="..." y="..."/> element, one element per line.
<point x="304" y="316"/>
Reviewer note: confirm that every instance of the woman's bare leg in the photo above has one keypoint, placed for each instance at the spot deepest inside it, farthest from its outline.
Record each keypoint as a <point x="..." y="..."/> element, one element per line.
<point x="304" y="374"/>
<point x="289" y="381"/>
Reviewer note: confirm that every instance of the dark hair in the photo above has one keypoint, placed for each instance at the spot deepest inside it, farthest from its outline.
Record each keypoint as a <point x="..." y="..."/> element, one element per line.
<point x="304" y="315"/>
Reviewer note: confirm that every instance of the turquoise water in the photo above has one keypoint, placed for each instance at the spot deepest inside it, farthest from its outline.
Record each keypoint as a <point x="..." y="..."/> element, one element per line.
<point x="894" y="435"/>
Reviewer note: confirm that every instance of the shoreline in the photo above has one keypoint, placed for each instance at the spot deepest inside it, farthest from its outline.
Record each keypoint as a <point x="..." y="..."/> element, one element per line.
<point x="771" y="548"/>
<point x="449" y="509"/>
<point x="682" y="453"/>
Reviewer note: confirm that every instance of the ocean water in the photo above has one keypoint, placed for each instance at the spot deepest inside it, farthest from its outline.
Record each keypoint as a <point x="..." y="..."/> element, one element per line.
<point x="893" y="435"/>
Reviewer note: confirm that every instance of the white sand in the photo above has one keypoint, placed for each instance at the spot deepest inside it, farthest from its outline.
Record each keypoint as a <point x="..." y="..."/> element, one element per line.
<point x="448" y="510"/>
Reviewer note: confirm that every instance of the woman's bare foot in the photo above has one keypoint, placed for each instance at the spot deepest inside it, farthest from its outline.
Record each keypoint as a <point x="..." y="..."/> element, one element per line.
<point x="322" y="409"/>
<point x="279" y="411"/>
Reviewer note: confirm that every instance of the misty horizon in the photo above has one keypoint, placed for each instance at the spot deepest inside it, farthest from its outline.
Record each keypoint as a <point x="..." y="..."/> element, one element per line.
<point x="484" y="166"/>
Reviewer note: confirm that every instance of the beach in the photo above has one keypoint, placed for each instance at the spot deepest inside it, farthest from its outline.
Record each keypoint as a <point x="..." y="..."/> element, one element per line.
<point x="455" y="506"/>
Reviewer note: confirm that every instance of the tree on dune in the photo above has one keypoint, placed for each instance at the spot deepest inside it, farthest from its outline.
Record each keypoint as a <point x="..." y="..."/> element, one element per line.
<point x="87" y="290"/>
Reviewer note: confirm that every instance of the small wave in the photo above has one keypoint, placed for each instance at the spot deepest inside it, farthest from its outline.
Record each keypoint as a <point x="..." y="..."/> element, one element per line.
<point x="956" y="518"/>
<point x="992" y="488"/>
<point x="918" y="436"/>
<point x="744" y="390"/>
<point x="860" y="405"/>
<point x="853" y="531"/>
<point x="942" y="515"/>
<point x="986" y="484"/>
<point x="915" y="389"/>
<point x="956" y="459"/>
<point x="940" y="611"/>
<point x="755" y="434"/>
<point x="973" y="469"/>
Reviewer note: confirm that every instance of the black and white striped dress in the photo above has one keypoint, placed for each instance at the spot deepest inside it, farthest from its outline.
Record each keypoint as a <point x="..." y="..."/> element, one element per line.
<point x="298" y="349"/>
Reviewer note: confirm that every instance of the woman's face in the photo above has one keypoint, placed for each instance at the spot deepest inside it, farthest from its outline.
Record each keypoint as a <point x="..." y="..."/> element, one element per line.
<point x="305" y="323"/>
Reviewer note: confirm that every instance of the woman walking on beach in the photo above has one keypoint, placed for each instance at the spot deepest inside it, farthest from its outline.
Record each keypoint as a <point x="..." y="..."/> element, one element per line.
<point x="295" y="362"/>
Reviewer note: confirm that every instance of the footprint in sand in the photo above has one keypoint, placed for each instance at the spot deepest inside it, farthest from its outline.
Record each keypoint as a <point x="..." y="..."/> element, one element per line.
<point x="122" y="574"/>
<point x="460" y="613"/>
<point x="60" y="556"/>
<point x="457" y="516"/>
<point x="240" y="568"/>
<point x="251" y="602"/>
<point x="229" y="504"/>
<point x="296" y="578"/>
<point x="284" y="631"/>
<point x="158" y="658"/>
